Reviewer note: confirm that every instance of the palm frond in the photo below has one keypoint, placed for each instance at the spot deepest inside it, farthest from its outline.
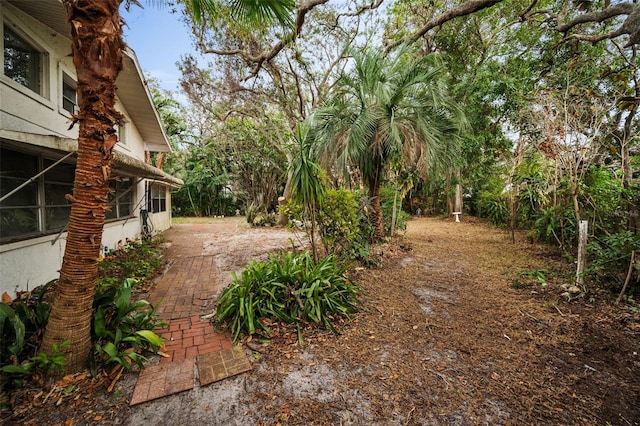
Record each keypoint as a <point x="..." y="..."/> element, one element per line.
<point x="263" y="11"/>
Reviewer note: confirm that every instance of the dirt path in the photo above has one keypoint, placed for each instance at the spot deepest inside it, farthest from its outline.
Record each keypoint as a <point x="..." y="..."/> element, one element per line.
<point x="445" y="339"/>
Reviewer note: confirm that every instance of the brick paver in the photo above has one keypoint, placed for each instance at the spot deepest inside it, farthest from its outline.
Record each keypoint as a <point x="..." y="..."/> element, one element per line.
<point x="216" y="366"/>
<point x="162" y="380"/>
<point x="184" y="294"/>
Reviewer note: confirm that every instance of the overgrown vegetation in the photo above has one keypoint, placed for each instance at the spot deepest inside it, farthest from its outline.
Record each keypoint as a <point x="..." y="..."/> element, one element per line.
<point x="288" y="287"/>
<point x="122" y="327"/>
<point x="553" y="113"/>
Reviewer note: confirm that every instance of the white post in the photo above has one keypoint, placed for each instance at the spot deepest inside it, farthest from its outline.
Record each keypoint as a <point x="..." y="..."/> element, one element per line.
<point x="582" y="252"/>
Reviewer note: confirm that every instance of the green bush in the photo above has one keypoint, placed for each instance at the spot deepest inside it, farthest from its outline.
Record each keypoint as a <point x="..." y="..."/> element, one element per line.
<point x="610" y="256"/>
<point x="556" y="225"/>
<point x="338" y="220"/>
<point x="290" y="288"/>
<point x="494" y="207"/>
<point x="343" y="221"/>
<point x="16" y="374"/>
<point x="121" y="327"/>
<point x="251" y="212"/>
<point x="21" y="328"/>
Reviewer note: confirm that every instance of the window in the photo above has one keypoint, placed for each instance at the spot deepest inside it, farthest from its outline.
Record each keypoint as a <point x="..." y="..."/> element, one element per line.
<point x="58" y="182"/>
<point x="122" y="132"/>
<point x="18" y="213"/>
<point x="40" y="207"/>
<point x="22" y="61"/>
<point x="157" y="198"/>
<point x="120" y="198"/>
<point x="69" y="97"/>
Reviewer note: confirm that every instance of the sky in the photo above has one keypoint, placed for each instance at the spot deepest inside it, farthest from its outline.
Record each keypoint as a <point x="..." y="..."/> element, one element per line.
<point x="159" y="39"/>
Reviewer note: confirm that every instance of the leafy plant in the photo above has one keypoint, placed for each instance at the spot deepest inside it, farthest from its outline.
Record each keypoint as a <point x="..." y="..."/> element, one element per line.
<point x="338" y="220"/>
<point x="610" y="254"/>
<point x="251" y="213"/>
<point x="290" y="288"/>
<point x="387" y="194"/>
<point x="16" y="374"/>
<point x="134" y="259"/>
<point x="21" y="327"/>
<point x="12" y="334"/>
<point x="51" y="363"/>
<point x="121" y="327"/>
<point x="494" y="207"/>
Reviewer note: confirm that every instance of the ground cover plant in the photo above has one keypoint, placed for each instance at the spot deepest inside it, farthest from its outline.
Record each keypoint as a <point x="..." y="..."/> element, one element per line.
<point x="288" y="287"/>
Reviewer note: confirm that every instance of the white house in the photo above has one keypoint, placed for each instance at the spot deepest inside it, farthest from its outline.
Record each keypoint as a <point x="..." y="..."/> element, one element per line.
<point x="37" y="148"/>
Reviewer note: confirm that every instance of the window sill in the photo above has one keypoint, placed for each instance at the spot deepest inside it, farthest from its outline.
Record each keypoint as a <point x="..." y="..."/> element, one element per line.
<point x="31" y="240"/>
<point x="27" y="92"/>
<point x="48" y="237"/>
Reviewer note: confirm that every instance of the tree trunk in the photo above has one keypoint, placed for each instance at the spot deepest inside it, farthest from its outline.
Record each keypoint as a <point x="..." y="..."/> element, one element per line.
<point x="97" y="47"/>
<point x="376" y="208"/>
<point x="394" y="215"/>
<point x="282" y="218"/>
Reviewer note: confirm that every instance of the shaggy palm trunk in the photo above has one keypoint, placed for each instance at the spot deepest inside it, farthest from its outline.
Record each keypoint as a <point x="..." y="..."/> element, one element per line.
<point x="374" y="196"/>
<point x="97" y="46"/>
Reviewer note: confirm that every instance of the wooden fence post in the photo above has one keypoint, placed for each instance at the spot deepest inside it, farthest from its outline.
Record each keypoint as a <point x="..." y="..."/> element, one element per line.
<point x="582" y="252"/>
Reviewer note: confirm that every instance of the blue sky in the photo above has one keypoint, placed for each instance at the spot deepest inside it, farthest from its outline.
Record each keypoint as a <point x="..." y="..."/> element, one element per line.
<point x="159" y="39"/>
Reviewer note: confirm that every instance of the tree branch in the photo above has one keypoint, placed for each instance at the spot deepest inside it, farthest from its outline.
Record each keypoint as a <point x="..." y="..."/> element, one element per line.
<point x="596" y="38"/>
<point x="598" y="16"/>
<point x="277" y="48"/>
<point x="464" y="9"/>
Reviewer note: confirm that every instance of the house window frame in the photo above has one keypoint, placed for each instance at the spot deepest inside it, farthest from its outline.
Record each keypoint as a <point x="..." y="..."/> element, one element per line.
<point x="71" y="83"/>
<point x="121" y="198"/>
<point x="156" y="197"/>
<point x="46" y="205"/>
<point x="43" y="62"/>
<point x="123" y="129"/>
<point x="45" y="209"/>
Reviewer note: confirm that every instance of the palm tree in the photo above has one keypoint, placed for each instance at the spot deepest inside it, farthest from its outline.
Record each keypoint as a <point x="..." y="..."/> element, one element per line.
<point x="97" y="45"/>
<point x="388" y="109"/>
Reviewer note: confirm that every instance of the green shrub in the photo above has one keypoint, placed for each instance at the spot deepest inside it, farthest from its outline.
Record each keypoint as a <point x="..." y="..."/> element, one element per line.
<point x="493" y="207"/>
<point x="16" y="374"/>
<point x="12" y="334"/>
<point x="268" y="219"/>
<point x="121" y="327"/>
<point x="290" y="288"/>
<point x="556" y="225"/>
<point x="251" y="213"/>
<point x="387" y="195"/>
<point x="338" y="220"/>
<point x="610" y="256"/>
<point x="21" y="328"/>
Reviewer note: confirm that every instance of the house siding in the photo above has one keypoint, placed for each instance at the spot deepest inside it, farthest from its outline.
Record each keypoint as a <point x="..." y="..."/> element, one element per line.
<point x="28" y="120"/>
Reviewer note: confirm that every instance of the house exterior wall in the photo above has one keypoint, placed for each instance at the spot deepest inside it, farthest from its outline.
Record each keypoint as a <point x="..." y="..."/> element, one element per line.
<point x="22" y="109"/>
<point x="29" y="119"/>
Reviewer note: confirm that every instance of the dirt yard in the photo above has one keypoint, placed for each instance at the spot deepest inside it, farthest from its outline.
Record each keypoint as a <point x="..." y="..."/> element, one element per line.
<point x="460" y="327"/>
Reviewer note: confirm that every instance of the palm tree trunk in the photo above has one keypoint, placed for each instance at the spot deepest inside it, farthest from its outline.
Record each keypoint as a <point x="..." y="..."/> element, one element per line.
<point x="374" y="196"/>
<point x="97" y="46"/>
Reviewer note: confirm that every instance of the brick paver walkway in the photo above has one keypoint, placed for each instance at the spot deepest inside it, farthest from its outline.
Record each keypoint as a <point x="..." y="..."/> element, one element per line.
<point x="185" y="293"/>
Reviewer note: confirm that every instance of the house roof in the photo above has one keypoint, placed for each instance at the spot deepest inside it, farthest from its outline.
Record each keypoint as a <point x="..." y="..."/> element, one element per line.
<point x="55" y="148"/>
<point x="132" y="88"/>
